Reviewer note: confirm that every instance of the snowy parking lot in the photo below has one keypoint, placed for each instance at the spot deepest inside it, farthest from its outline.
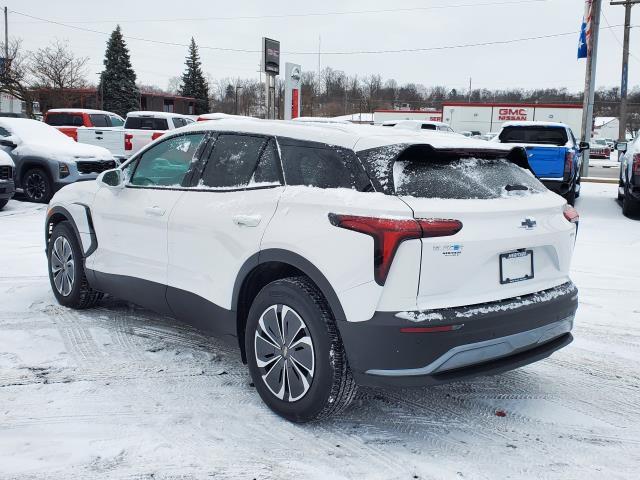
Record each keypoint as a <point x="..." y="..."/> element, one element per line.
<point x="121" y="392"/>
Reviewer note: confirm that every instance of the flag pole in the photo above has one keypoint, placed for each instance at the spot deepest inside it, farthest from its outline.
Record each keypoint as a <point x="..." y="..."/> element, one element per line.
<point x="590" y="83"/>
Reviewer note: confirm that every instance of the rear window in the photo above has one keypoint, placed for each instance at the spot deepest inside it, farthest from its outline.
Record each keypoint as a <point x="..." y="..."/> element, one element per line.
<point x="542" y="135"/>
<point x="419" y="172"/>
<point x="146" y="123"/>
<point x="64" y="119"/>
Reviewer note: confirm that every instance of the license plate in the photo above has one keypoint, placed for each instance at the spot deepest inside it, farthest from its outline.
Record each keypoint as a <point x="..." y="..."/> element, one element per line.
<point x="516" y="266"/>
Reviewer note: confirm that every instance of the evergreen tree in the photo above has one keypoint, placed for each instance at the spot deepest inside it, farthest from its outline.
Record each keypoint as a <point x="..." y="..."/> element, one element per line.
<point x="118" y="80"/>
<point x="193" y="81"/>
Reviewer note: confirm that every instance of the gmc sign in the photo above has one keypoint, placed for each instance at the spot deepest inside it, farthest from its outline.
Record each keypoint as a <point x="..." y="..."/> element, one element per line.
<point x="510" y="114"/>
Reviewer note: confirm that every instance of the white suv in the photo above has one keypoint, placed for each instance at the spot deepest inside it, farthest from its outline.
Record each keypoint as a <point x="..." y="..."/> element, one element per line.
<point x="334" y="255"/>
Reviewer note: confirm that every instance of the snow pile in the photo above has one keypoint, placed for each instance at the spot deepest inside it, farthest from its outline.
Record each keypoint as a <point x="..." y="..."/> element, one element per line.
<point x="420" y="316"/>
<point x="34" y="138"/>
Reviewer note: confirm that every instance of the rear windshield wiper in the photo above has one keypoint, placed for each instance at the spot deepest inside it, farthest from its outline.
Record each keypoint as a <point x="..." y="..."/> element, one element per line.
<point x="511" y="188"/>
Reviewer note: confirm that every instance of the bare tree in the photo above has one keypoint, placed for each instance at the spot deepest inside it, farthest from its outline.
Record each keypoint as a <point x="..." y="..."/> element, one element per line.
<point x="55" y="66"/>
<point x="15" y="78"/>
<point x="174" y="85"/>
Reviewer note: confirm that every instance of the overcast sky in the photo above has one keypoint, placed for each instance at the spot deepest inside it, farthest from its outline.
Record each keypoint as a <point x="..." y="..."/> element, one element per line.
<point x="547" y="62"/>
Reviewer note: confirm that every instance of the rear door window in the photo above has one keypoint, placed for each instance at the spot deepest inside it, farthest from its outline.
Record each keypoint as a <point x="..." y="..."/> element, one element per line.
<point x="233" y="161"/>
<point x="64" y="119"/>
<point x="533" y="134"/>
<point x="99" y="120"/>
<point x="267" y="171"/>
<point x="146" y="123"/>
<point x="116" y="121"/>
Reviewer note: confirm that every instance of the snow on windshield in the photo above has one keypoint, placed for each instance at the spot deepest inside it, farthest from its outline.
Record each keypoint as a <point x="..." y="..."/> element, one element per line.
<point x="465" y="178"/>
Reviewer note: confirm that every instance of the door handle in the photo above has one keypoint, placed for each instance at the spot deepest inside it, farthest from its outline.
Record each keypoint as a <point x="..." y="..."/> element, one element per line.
<point x="247" y="220"/>
<point x="155" y="210"/>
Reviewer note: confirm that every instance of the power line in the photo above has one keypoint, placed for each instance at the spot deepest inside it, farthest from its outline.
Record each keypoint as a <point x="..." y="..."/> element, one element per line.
<point x="616" y="36"/>
<point x="343" y="52"/>
<point x="312" y="14"/>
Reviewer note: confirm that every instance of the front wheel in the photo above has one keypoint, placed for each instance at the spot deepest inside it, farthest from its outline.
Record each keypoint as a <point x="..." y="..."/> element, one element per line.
<point x="37" y="186"/>
<point x="630" y="206"/>
<point x="66" y="269"/>
<point x="295" y="354"/>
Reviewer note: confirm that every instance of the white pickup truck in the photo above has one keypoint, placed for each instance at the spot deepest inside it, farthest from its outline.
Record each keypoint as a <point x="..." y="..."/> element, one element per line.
<point x="140" y="129"/>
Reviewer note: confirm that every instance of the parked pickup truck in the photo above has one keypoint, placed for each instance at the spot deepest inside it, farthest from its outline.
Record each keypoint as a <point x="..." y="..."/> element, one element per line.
<point x="554" y="153"/>
<point x="68" y="120"/>
<point x="140" y="129"/>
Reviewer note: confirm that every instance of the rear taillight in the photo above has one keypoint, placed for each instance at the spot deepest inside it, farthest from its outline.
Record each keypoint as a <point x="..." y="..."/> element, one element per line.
<point x="389" y="233"/>
<point x="568" y="163"/>
<point x="635" y="167"/>
<point x="128" y="144"/>
<point x="155" y="135"/>
<point x="571" y="214"/>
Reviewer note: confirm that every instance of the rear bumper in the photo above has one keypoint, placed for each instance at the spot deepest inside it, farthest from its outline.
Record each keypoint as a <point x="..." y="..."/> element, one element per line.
<point x="558" y="186"/>
<point x="486" y="339"/>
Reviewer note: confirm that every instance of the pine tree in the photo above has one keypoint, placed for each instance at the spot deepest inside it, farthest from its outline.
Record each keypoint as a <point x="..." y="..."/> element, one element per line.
<point x="118" y="80"/>
<point x="193" y="81"/>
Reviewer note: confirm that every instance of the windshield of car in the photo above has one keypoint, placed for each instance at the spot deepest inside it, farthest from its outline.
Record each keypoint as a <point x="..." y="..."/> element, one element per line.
<point x="420" y="171"/>
<point x="534" y="134"/>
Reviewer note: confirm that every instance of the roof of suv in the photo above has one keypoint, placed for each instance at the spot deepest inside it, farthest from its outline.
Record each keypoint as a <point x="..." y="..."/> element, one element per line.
<point x="355" y="137"/>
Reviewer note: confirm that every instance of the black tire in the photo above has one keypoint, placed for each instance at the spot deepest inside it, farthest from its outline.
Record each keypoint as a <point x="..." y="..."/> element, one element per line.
<point x="332" y="387"/>
<point x="630" y="206"/>
<point x="3" y="203"/>
<point x="578" y="187"/>
<point x="37" y="186"/>
<point x="80" y="295"/>
<point x="571" y="195"/>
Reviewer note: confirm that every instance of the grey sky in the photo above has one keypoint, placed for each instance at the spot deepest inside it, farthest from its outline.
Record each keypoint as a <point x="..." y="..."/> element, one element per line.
<point x="540" y="63"/>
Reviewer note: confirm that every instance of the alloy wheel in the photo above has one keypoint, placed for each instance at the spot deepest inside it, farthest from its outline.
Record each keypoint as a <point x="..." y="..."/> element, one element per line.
<point x="284" y="353"/>
<point x="35" y="186"/>
<point x="62" y="266"/>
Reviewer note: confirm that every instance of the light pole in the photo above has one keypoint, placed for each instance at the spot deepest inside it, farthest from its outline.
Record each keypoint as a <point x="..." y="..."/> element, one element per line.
<point x="238" y="87"/>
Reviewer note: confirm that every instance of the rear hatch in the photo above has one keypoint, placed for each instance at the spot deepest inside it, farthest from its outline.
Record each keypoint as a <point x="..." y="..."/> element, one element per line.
<point x="109" y="138"/>
<point x="514" y="240"/>
<point x="547" y="161"/>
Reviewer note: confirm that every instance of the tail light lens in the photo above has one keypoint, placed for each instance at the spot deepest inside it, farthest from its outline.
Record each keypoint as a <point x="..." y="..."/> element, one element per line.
<point x="128" y="144"/>
<point x="389" y="233"/>
<point x="155" y="135"/>
<point x="571" y="214"/>
<point x="568" y="164"/>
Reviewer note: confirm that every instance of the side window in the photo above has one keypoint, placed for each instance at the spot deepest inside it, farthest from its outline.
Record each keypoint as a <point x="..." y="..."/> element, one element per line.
<point x="232" y="161"/>
<point x="267" y="172"/>
<point x="316" y="167"/>
<point x="427" y="126"/>
<point x="167" y="163"/>
<point x="99" y="120"/>
<point x="116" y="121"/>
<point x="4" y="132"/>
<point x="178" y="122"/>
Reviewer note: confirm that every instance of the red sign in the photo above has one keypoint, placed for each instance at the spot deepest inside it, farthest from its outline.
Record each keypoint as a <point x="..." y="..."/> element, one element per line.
<point x="511" y="114"/>
<point x="294" y="103"/>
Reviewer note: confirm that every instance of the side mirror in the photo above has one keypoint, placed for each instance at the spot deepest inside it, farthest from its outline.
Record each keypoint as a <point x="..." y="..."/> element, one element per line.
<point x="8" y="143"/>
<point x="584" y="146"/>
<point x="113" y="179"/>
<point x="621" y="147"/>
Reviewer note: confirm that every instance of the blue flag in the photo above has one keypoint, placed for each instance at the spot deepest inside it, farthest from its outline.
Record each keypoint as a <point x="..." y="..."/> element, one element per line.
<point x="585" y="31"/>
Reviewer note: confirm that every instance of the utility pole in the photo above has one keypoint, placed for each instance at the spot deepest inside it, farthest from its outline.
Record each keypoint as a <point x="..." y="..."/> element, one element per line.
<point x="624" y="82"/>
<point x="6" y="36"/>
<point x="470" y="89"/>
<point x="590" y="83"/>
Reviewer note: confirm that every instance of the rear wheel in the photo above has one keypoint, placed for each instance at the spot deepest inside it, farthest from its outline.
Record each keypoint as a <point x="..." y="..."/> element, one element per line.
<point x="630" y="206"/>
<point x="295" y="354"/>
<point x="66" y="269"/>
<point x="37" y="186"/>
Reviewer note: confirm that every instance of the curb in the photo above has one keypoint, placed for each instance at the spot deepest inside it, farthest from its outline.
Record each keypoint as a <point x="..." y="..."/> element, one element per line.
<point x="614" y="181"/>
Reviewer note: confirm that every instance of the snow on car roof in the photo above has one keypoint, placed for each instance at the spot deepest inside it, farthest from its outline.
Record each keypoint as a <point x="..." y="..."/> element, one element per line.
<point x="356" y="137"/>
<point x="534" y="124"/>
<point x="79" y="110"/>
<point x="220" y="116"/>
<point x="156" y="114"/>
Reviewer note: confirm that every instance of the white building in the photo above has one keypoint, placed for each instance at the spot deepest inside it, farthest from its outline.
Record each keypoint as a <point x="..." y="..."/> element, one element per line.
<point x="380" y="116"/>
<point x="10" y="104"/>
<point x="606" y="127"/>
<point x="489" y="117"/>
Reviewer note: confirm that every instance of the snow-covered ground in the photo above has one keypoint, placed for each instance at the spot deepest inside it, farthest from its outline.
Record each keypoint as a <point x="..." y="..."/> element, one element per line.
<point x="120" y="392"/>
